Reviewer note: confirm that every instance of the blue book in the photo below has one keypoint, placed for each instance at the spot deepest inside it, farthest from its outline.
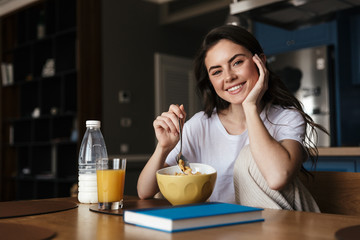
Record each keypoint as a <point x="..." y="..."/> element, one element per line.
<point x="193" y="216"/>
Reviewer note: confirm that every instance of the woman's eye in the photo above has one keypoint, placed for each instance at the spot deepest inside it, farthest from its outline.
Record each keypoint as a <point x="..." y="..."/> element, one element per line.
<point x="216" y="72"/>
<point x="237" y="62"/>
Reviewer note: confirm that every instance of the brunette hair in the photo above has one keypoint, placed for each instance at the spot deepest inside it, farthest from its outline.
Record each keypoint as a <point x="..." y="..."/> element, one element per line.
<point x="276" y="94"/>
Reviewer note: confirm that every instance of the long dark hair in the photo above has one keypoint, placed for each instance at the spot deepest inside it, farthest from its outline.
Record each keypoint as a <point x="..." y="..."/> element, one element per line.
<point x="276" y="94"/>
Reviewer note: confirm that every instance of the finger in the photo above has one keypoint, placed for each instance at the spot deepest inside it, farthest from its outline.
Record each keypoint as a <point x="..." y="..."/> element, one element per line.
<point x="262" y="83"/>
<point x="160" y="124"/>
<point x="166" y="123"/>
<point x="262" y="61"/>
<point x="183" y="113"/>
<point x="172" y="120"/>
<point x="263" y="73"/>
<point x="259" y="64"/>
<point x="177" y="110"/>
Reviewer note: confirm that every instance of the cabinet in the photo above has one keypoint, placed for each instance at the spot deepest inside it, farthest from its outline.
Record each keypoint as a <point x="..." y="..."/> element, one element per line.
<point x="45" y="95"/>
<point x="338" y="164"/>
<point x="355" y="53"/>
<point x="276" y="40"/>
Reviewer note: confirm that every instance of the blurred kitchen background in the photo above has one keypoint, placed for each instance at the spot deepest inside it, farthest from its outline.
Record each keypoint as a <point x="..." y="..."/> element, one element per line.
<point x="309" y="75"/>
<point x="124" y="62"/>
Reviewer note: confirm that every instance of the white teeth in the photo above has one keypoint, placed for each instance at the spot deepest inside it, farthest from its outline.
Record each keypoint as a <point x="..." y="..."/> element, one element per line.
<point x="234" y="88"/>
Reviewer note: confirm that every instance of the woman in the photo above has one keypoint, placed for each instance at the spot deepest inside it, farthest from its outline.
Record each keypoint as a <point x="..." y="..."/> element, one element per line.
<point x="248" y="114"/>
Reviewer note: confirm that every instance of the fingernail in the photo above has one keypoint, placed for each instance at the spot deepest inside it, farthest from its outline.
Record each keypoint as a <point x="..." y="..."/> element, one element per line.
<point x="181" y="116"/>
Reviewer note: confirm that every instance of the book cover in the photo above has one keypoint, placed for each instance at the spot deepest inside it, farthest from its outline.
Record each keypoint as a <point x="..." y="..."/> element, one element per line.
<point x="193" y="216"/>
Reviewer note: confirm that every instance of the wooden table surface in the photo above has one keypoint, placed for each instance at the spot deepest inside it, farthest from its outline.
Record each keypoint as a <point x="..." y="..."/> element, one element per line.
<point x="80" y="223"/>
<point x="339" y="151"/>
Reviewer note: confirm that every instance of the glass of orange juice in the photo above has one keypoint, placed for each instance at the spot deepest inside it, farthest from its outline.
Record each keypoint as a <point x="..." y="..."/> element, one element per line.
<point x="110" y="175"/>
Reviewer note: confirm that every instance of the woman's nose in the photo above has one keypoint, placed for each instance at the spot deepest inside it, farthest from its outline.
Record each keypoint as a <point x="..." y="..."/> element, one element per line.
<point x="229" y="76"/>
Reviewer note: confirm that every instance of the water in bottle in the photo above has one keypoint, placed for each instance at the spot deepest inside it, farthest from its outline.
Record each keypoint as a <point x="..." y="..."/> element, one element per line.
<point x="92" y="148"/>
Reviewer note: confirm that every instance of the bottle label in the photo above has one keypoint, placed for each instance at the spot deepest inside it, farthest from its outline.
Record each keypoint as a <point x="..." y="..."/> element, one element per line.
<point x="87" y="188"/>
<point x="87" y="177"/>
<point x="88" y="197"/>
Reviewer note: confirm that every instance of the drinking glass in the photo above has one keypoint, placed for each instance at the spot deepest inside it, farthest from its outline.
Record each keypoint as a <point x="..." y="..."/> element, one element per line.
<point x="110" y="175"/>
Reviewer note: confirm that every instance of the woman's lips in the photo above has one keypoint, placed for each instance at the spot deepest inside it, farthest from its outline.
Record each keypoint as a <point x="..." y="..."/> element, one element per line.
<point x="235" y="89"/>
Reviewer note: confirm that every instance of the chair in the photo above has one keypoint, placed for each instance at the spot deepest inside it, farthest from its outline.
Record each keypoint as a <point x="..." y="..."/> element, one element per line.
<point x="335" y="192"/>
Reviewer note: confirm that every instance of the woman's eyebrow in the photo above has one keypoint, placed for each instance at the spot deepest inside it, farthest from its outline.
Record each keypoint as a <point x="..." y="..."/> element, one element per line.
<point x="230" y="60"/>
<point x="235" y="56"/>
<point x="213" y="67"/>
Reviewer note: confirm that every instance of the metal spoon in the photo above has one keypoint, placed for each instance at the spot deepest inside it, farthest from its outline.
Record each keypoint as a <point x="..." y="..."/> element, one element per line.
<point x="179" y="155"/>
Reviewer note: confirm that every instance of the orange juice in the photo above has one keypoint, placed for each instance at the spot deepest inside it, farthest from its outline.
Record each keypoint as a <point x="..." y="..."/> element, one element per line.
<point x="110" y="184"/>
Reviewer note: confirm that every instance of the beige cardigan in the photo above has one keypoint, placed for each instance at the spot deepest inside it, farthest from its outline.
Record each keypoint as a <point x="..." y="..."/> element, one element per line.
<point x="251" y="188"/>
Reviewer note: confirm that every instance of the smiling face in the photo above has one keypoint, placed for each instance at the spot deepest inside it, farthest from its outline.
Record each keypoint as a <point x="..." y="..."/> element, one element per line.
<point x="231" y="70"/>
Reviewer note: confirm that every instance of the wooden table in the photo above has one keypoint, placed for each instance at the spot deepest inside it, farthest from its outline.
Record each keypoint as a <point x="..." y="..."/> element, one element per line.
<point x="80" y="223"/>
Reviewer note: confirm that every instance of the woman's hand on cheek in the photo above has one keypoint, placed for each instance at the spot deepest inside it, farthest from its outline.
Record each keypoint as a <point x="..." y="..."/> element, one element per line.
<point x="255" y="95"/>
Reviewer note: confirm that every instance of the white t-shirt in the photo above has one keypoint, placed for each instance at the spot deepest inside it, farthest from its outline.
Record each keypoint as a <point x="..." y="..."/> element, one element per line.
<point x="205" y="140"/>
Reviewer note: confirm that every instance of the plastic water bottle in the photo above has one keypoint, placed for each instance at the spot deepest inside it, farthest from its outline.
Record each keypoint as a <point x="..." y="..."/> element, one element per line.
<point x="92" y="148"/>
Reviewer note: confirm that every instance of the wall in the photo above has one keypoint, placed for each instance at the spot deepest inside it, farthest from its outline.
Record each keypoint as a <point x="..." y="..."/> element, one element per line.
<point x="130" y="37"/>
<point x="349" y="91"/>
